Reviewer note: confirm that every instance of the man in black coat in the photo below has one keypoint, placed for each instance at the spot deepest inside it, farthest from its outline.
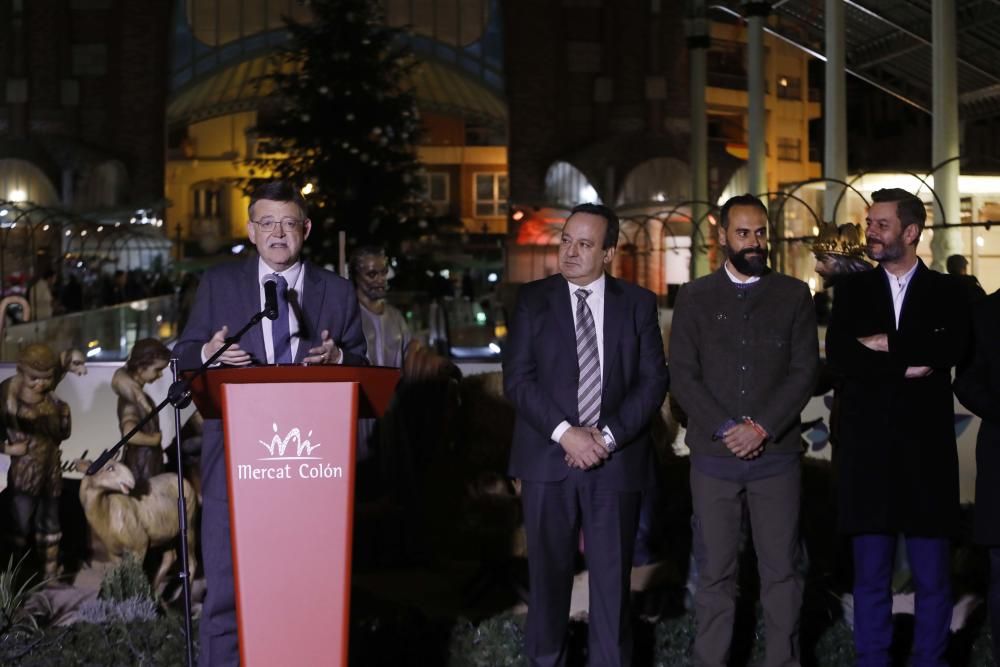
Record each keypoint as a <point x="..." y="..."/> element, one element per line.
<point x="978" y="387"/>
<point x="585" y="370"/>
<point x="895" y="334"/>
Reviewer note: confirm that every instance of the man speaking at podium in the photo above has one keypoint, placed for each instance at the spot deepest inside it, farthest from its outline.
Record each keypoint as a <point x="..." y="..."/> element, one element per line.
<point x="317" y="323"/>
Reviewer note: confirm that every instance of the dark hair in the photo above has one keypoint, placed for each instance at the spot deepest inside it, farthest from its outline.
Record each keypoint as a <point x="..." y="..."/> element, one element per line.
<point x="956" y="263"/>
<point x="611" y="233"/>
<point x="282" y="191"/>
<point x="354" y="263"/>
<point x="909" y="209"/>
<point x="739" y="200"/>
<point x="146" y="352"/>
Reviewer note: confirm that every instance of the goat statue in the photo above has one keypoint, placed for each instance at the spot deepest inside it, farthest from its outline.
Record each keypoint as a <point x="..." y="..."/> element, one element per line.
<point x="133" y="524"/>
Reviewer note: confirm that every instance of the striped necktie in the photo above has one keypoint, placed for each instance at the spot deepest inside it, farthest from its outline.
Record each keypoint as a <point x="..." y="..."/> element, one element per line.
<point x="589" y="390"/>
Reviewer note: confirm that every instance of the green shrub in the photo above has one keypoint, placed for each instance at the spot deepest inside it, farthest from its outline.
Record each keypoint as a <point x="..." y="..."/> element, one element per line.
<point x="16" y="587"/>
<point x="496" y="642"/>
<point x="127" y="580"/>
<point x="159" y="642"/>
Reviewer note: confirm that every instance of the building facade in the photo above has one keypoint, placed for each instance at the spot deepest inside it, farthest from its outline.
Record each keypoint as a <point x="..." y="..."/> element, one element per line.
<point x="82" y="98"/>
<point x="600" y="111"/>
<point x="215" y="110"/>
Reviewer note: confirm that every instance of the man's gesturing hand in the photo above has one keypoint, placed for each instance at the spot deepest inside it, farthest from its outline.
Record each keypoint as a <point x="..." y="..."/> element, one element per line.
<point x="584" y="447"/>
<point x="326" y="353"/>
<point x="234" y="356"/>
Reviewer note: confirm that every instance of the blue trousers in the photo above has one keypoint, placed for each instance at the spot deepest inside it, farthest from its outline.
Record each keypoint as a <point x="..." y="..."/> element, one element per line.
<point x="929" y="558"/>
<point x="219" y="644"/>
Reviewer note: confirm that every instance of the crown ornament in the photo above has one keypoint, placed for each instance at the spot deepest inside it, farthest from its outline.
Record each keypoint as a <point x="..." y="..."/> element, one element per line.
<point x="847" y="240"/>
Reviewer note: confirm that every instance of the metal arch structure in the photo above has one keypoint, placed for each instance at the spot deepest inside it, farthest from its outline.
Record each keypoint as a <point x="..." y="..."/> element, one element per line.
<point x="920" y="179"/>
<point x="666" y="219"/>
<point x="638" y="229"/>
<point x="840" y="198"/>
<point x="774" y="222"/>
<point x="37" y="219"/>
<point x="890" y="45"/>
<point x="23" y="213"/>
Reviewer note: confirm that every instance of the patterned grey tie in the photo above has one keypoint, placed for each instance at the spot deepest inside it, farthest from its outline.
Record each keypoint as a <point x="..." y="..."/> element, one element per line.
<point x="589" y="390"/>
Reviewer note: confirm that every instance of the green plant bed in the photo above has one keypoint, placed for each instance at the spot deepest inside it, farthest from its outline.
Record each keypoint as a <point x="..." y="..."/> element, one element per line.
<point x="156" y="642"/>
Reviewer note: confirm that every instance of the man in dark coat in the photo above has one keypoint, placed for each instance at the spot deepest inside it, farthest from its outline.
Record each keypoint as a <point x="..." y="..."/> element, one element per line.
<point x="585" y="370"/>
<point x="743" y="353"/>
<point x="895" y="334"/>
<point x="978" y="387"/>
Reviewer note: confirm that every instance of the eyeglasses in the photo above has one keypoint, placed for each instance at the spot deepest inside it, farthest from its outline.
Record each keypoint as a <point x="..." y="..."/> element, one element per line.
<point x="269" y="224"/>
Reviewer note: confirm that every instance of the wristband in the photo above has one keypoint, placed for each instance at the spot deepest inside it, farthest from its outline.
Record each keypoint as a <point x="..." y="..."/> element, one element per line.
<point x="756" y="427"/>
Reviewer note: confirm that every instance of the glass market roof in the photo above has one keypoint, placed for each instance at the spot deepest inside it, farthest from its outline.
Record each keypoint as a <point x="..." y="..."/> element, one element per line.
<point x="888" y="44"/>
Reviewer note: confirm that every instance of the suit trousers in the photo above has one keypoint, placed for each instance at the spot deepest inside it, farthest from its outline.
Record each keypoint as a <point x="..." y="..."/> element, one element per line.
<point x="874" y="556"/>
<point x="219" y="645"/>
<point x="554" y="513"/>
<point x="773" y="507"/>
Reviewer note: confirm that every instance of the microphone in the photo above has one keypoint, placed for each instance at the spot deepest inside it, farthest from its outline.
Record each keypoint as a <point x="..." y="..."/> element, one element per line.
<point x="271" y="297"/>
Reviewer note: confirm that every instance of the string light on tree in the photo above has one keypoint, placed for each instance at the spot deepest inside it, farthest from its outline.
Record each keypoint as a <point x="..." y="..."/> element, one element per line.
<point x="365" y="167"/>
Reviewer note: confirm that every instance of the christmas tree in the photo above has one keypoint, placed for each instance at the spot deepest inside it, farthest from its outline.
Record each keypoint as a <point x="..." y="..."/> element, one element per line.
<point x="342" y="124"/>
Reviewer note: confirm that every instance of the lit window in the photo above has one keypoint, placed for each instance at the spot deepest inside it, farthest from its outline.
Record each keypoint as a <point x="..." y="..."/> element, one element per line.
<point x="435" y="187"/>
<point x="491" y="195"/>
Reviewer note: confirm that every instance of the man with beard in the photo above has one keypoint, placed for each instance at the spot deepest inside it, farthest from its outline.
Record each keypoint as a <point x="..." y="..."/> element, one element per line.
<point x="743" y="353"/>
<point x="896" y="332"/>
<point x="386" y="331"/>
<point x="393" y="453"/>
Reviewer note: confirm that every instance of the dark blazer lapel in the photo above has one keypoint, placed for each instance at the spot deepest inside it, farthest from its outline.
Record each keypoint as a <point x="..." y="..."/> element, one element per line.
<point x="562" y="312"/>
<point x="311" y="303"/>
<point x="253" y="340"/>
<point x="886" y="311"/>
<point x="614" y="316"/>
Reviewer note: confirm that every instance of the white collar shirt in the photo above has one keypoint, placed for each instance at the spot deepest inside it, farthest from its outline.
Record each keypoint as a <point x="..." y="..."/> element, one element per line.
<point x="898" y="287"/>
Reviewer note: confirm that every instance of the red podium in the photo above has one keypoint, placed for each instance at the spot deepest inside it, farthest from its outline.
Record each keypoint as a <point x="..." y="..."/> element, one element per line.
<point x="290" y="433"/>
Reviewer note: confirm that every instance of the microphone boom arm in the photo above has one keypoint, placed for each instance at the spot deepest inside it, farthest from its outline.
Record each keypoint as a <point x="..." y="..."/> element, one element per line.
<point x="179" y="394"/>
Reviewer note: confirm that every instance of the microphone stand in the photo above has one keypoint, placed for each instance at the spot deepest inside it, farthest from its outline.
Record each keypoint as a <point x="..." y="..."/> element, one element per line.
<point x="179" y="395"/>
<point x="186" y="573"/>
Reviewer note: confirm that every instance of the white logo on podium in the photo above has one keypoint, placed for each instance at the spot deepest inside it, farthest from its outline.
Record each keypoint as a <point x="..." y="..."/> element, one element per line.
<point x="278" y="445"/>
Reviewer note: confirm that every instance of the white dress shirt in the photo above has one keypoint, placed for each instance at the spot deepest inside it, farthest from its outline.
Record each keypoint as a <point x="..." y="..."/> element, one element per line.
<point x="898" y="286"/>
